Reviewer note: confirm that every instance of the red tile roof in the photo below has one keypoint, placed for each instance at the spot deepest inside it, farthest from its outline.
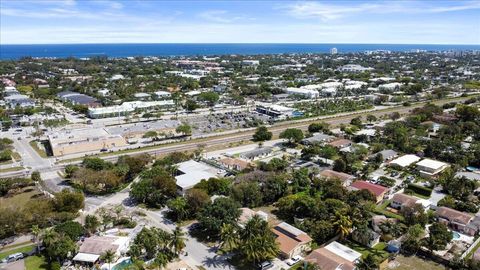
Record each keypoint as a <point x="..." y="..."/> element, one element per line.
<point x="375" y="189"/>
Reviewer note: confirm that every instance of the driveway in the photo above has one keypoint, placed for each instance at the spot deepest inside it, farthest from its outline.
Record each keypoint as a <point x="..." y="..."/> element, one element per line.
<point x="18" y="265"/>
<point x="198" y="253"/>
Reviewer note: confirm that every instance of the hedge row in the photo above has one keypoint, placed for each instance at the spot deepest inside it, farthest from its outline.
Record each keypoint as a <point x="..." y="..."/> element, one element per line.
<point x="420" y="190"/>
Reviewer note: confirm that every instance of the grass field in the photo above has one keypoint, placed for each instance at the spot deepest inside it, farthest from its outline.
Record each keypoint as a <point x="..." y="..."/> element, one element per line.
<point x="20" y="199"/>
<point x="414" y="262"/>
<point x="3" y="255"/>
<point x="35" y="263"/>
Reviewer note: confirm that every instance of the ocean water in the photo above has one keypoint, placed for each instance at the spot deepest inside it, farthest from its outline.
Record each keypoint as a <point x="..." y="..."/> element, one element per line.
<point x="190" y="49"/>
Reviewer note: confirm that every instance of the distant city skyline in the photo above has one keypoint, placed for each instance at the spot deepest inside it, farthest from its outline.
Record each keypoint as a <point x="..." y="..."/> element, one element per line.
<point x="106" y="21"/>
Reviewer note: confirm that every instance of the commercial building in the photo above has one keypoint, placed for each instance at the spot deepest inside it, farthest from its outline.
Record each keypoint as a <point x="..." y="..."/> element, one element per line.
<point x="291" y="241"/>
<point x="191" y="172"/>
<point x="18" y="100"/>
<point x="83" y="140"/>
<point x="127" y="107"/>
<point x="275" y="111"/>
<point x="353" y="68"/>
<point x="78" y="99"/>
<point x="307" y="93"/>
<point x="251" y="62"/>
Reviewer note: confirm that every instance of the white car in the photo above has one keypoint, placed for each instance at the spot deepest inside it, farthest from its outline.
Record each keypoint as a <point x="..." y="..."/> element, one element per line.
<point x="294" y="260"/>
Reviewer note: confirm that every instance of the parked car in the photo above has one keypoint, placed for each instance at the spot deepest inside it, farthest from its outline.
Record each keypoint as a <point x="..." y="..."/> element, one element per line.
<point x="294" y="260"/>
<point x="265" y="265"/>
<point x="13" y="257"/>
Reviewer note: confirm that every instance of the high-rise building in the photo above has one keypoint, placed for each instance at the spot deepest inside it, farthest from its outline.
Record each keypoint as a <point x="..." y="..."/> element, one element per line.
<point x="333" y="51"/>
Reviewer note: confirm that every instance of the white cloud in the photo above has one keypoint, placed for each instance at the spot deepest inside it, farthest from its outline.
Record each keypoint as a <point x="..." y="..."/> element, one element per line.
<point x="220" y="16"/>
<point x="326" y="12"/>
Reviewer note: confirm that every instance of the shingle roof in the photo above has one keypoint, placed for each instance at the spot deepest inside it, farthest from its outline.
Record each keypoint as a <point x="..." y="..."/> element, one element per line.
<point x="289" y="237"/>
<point x="453" y="215"/>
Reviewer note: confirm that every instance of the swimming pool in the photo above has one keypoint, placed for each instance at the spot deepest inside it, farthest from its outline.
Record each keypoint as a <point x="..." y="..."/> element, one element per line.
<point x="122" y="265"/>
<point x="455" y="235"/>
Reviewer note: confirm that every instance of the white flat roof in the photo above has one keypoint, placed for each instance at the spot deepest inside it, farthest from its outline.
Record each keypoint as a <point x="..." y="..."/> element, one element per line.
<point x="432" y="164"/>
<point x="405" y="160"/>
<point x="194" y="172"/>
<point x="343" y="251"/>
<point x="86" y="257"/>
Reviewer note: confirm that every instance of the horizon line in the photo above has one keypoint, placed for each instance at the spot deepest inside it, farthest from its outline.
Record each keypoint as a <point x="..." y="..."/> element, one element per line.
<point x="243" y="43"/>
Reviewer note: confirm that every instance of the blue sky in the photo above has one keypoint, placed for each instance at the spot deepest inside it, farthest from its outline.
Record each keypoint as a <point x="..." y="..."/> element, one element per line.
<point x="135" y="21"/>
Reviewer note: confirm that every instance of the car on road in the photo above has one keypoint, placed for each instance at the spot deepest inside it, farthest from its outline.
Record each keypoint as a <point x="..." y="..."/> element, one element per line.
<point x="265" y="265"/>
<point x="294" y="260"/>
<point x="13" y="257"/>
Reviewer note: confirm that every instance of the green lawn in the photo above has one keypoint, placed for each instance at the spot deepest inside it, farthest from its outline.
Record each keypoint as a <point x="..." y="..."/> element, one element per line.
<point x="378" y="250"/>
<point x="35" y="263"/>
<point x="28" y="248"/>
<point x="382" y="210"/>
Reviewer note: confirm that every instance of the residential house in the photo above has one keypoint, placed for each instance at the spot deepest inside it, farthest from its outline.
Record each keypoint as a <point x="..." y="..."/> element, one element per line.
<point x="93" y="247"/>
<point x="334" y="256"/>
<point x="248" y="214"/>
<point x="430" y="167"/>
<point x="404" y="161"/>
<point x="400" y="200"/>
<point x="256" y="153"/>
<point x="345" y="178"/>
<point x="291" y="240"/>
<point x="386" y="155"/>
<point x="458" y="221"/>
<point x="318" y="138"/>
<point x="377" y="190"/>
<point x="340" y="143"/>
<point x="234" y="163"/>
<point x="366" y="237"/>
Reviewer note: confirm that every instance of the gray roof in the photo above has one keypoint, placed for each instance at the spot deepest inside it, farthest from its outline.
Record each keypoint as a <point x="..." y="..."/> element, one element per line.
<point x="257" y="152"/>
<point x="318" y="137"/>
<point x="469" y="175"/>
<point x="77" y="97"/>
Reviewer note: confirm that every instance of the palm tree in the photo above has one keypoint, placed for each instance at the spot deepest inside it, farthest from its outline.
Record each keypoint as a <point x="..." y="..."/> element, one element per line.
<point x="36" y="231"/>
<point x="343" y="225"/>
<point x="257" y="241"/>
<point x="228" y="235"/>
<point x="108" y="256"/>
<point x="177" y="242"/>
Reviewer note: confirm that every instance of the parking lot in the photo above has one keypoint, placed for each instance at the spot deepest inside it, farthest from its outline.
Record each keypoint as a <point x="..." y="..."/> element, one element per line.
<point x="225" y="121"/>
